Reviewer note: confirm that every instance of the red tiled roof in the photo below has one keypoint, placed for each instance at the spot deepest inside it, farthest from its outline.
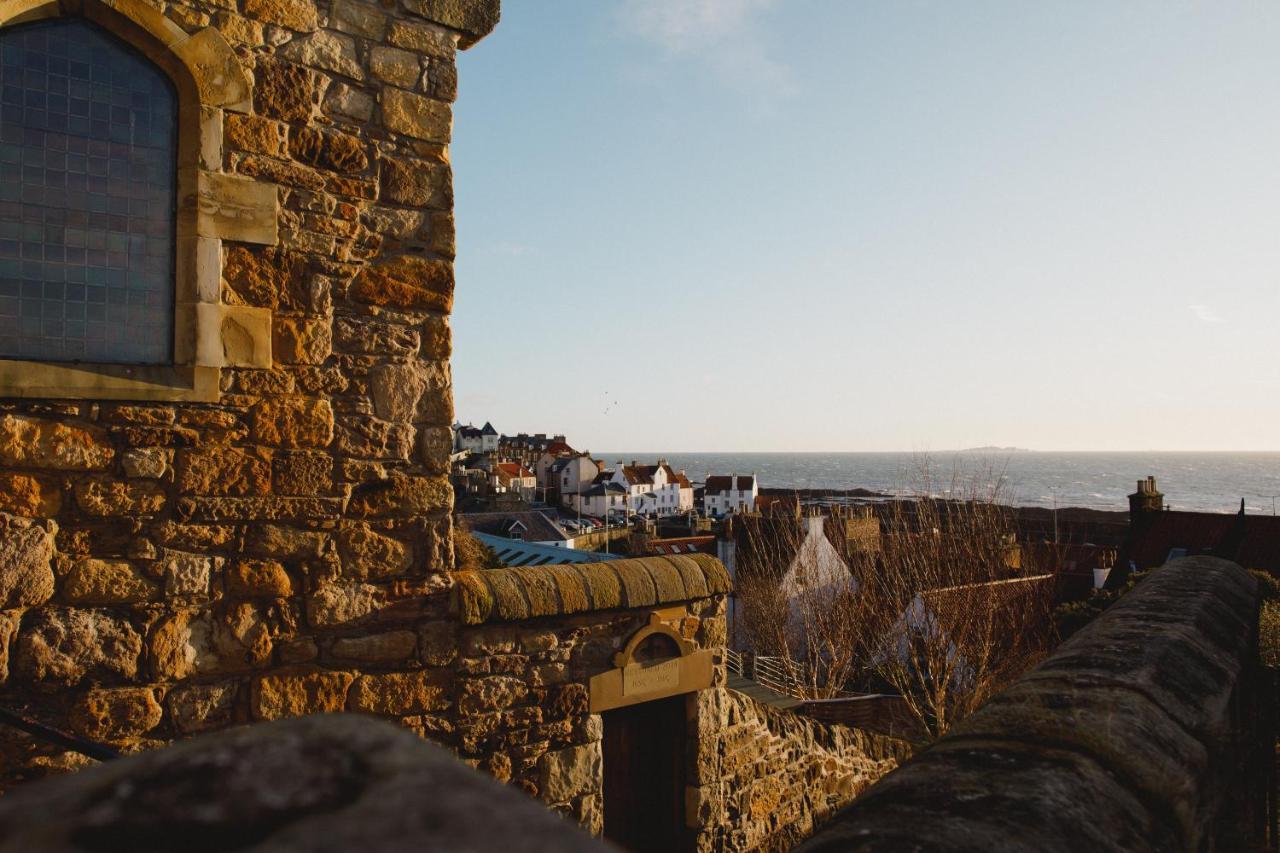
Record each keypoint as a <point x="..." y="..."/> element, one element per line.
<point x="514" y="469"/>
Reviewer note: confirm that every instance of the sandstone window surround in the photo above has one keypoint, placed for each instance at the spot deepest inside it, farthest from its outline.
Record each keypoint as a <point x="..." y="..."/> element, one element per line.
<point x="211" y="207"/>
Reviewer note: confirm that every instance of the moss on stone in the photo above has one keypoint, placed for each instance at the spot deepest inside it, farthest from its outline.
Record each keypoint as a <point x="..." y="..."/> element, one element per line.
<point x="716" y="575"/>
<point x="602" y="585"/>
<point x="569" y="584"/>
<point x="540" y="589"/>
<point x="637" y="586"/>
<point x="695" y="579"/>
<point x="472" y="600"/>
<point x="508" y="595"/>
<point x="667" y="579"/>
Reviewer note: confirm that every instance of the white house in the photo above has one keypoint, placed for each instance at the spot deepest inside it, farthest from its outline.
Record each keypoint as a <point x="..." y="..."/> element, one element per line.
<point x="514" y="477"/>
<point x="730" y="494"/>
<point x="812" y="571"/>
<point x="654" y="489"/>
<point x="473" y="440"/>
<point x="570" y="476"/>
<point x="603" y="498"/>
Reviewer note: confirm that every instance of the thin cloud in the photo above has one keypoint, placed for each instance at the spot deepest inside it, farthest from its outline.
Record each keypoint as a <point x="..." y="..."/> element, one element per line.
<point x="1205" y="314"/>
<point x="723" y="35"/>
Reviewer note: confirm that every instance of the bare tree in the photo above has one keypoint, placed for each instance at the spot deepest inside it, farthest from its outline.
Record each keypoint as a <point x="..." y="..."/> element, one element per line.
<point x="944" y="612"/>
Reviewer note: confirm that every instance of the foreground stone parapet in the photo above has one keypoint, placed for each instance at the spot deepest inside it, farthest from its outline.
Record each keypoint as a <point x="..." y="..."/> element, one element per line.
<point x="1137" y="734"/>
<point x="335" y="782"/>
<point x="505" y="595"/>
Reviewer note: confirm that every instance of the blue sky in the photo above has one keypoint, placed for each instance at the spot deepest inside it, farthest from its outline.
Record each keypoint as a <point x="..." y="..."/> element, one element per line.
<point x="798" y="225"/>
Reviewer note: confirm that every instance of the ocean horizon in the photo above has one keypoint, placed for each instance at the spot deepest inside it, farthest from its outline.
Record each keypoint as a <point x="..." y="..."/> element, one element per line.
<point x="1208" y="481"/>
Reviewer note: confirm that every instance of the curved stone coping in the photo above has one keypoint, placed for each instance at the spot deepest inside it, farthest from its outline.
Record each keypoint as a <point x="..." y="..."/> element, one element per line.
<point x="505" y="595"/>
<point x="328" y="782"/>
<point x="1126" y="738"/>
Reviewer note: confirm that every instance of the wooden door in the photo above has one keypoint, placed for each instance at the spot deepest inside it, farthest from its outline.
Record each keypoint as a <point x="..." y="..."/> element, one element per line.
<point x="644" y="775"/>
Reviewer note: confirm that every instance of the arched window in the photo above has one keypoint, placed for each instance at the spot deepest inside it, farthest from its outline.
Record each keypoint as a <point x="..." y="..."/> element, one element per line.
<point x="88" y="176"/>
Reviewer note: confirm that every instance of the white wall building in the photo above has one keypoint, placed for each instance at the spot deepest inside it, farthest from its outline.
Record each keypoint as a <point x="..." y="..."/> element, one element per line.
<point x="654" y="489"/>
<point x="730" y="494"/>
<point x="473" y="440"/>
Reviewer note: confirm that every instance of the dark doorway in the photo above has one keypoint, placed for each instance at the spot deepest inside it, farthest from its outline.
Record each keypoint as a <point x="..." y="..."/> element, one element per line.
<point x="644" y="775"/>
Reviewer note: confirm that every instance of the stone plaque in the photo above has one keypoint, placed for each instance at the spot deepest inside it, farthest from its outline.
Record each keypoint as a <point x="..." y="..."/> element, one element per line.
<point x="650" y="678"/>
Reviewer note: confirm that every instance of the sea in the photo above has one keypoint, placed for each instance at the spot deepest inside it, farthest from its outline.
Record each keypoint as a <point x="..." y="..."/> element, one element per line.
<point x="1207" y="482"/>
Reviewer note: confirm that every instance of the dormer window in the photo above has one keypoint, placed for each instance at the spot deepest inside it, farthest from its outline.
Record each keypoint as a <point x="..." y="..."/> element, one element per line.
<point x="88" y="197"/>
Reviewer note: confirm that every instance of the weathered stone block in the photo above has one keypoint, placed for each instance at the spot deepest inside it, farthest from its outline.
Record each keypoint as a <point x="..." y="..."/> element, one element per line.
<point x="200" y="707"/>
<point x="397" y="67"/>
<point x="437" y="643"/>
<point x="29" y="495"/>
<point x="399" y="496"/>
<point x="286" y="543"/>
<point x="360" y="19"/>
<point x="283" y="90"/>
<point x="423" y="39"/>
<point x="298" y="340"/>
<point x="337" y="603"/>
<point x="62" y="646"/>
<point x="255" y="134"/>
<point x="566" y="773"/>
<point x="293" y="694"/>
<point x="416" y="115"/>
<point x="145" y="462"/>
<point x="348" y="102"/>
<point x="396" y="389"/>
<point x="327" y="50"/>
<point x="294" y="14"/>
<point x="367" y="554"/>
<point x="223" y="471"/>
<point x="401" y="693"/>
<point x="26" y="561"/>
<point x="117" y="714"/>
<point x="35" y="443"/>
<point x="391" y="647"/>
<point x="303" y="473"/>
<point x="340" y="152"/>
<point x="188" y="575"/>
<point x="293" y="422"/>
<point x="406" y="282"/>
<point x="107" y="582"/>
<point x="182" y="644"/>
<point x="115" y="497"/>
<point x="495" y="693"/>
<point x="258" y="579"/>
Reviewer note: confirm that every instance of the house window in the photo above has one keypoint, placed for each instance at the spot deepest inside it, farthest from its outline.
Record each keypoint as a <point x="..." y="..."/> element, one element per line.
<point x="88" y="179"/>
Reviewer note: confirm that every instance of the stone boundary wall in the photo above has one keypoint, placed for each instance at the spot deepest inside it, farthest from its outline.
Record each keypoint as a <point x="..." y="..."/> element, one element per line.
<point x="1142" y="732"/>
<point x="764" y="778"/>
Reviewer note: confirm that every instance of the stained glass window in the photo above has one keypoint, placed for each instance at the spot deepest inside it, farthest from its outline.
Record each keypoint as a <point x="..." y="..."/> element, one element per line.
<point x="88" y="152"/>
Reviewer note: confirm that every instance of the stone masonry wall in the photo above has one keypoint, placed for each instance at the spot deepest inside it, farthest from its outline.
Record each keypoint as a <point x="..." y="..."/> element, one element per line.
<point x="764" y="778"/>
<point x="170" y="568"/>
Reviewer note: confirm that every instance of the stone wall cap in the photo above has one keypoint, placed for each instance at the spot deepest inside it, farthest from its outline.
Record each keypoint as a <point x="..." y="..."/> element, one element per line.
<point x="473" y="19"/>
<point x="508" y="595"/>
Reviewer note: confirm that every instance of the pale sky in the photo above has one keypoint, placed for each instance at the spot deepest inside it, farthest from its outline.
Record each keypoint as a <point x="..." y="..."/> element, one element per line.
<point x="736" y="225"/>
